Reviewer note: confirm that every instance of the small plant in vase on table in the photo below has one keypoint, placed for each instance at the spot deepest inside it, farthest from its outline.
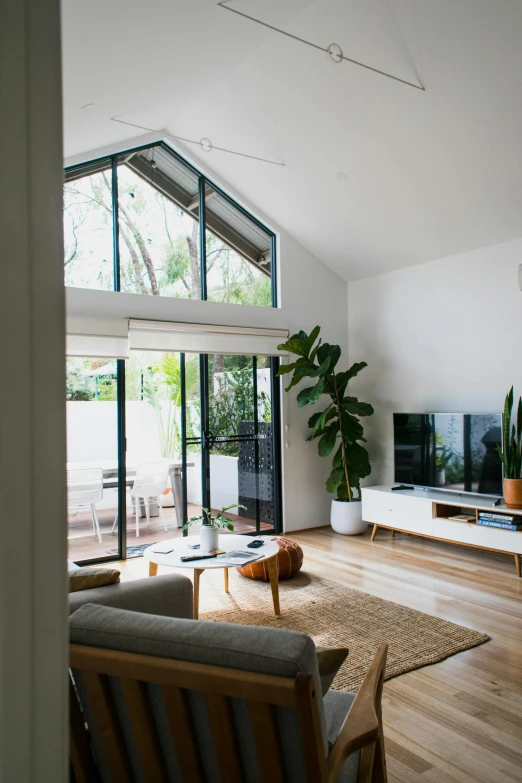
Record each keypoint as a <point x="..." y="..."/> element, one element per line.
<point x="210" y="526"/>
<point x="337" y="426"/>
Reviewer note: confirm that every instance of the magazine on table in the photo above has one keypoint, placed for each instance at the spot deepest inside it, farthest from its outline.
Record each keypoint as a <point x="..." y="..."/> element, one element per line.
<point x="237" y="558"/>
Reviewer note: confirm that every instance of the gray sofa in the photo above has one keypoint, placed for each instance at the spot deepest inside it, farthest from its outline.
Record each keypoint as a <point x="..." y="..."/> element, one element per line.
<point x="167" y="596"/>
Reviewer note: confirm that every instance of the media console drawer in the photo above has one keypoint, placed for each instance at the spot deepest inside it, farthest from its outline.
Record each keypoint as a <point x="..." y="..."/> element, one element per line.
<point x="397" y="519"/>
<point x="393" y="501"/>
<point x="477" y="535"/>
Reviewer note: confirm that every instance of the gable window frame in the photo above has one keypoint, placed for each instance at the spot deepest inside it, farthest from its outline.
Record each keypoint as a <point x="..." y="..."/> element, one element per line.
<point x="204" y="186"/>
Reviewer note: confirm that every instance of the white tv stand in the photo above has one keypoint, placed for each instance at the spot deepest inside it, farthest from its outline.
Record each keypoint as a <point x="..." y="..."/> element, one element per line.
<point x="425" y="513"/>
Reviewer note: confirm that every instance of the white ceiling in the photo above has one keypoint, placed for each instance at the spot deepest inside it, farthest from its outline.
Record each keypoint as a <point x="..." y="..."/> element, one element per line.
<point x="428" y="174"/>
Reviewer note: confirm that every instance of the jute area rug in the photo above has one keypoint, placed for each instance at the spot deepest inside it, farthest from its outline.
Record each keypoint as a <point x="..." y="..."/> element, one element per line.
<point x="333" y="614"/>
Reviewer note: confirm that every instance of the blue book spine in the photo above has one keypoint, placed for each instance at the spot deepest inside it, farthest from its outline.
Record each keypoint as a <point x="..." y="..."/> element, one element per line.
<point x="494" y="523"/>
<point x="497" y="517"/>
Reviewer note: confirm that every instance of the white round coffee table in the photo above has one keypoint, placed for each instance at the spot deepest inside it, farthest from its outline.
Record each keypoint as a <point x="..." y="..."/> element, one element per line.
<point x="227" y="542"/>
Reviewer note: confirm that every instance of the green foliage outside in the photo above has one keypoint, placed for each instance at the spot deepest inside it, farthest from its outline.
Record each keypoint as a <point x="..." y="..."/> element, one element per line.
<point x="337" y="426"/>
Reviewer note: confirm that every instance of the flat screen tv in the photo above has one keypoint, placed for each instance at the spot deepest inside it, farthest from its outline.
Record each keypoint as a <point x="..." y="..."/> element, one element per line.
<point x="449" y="451"/>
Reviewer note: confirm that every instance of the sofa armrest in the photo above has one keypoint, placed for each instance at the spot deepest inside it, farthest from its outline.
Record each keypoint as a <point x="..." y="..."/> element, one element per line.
<point x="169" y="595"/>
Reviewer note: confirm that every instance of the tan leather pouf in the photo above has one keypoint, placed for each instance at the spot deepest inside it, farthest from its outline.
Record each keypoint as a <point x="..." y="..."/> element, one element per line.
<point x="289" y="562"/>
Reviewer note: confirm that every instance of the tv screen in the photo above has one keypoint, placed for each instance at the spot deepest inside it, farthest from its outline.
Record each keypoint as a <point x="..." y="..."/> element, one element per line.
<point x="451" y="451"/>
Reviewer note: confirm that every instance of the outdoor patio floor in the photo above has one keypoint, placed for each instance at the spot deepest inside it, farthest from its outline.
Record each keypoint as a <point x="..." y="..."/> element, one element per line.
<point x="84" y="544"/>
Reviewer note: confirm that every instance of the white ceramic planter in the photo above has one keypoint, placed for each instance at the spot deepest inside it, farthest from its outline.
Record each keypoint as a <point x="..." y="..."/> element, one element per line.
<point x="208" y="538"/>
<point x="346" y="518"/>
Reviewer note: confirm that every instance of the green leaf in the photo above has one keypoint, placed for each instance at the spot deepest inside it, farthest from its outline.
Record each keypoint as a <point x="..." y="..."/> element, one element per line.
<point x="343" y="377"/>
<point x="286" y="368"/>
<point x="314" y="334"/>
<point x="335" y="478"/>
<point x="338" y="459"/>
<point x="357" y="459"/>
<point x="352" y="405"/>
<point x="294" y="345"/>
<point x="311" y="394"/>
<point x="327" y="442"/>
<point x="322" y="368"/>
<point x="351" y="428"/>
<point x="315" y="350"/>
<point x="300" y="372"/>
<point x="314" y="418"/>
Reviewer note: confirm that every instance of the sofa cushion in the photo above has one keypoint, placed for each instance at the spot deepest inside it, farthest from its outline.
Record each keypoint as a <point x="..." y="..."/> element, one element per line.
<point x="248" y="648"/>
<point x="330" y="660"/>
<point x="87" y="578"/>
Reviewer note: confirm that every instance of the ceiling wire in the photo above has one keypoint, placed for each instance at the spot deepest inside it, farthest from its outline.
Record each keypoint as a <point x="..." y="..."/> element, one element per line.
<point x="165" y="132"/>
<point x="225" y="7"/>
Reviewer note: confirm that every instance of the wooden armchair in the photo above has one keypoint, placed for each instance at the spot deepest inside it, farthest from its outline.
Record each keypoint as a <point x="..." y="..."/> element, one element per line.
<point x="117" y="698"/>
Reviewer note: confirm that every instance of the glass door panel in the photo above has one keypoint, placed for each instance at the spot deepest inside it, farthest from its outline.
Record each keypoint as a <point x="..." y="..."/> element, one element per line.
<point x="239" y="442"/>
<point x="92" y="458"/>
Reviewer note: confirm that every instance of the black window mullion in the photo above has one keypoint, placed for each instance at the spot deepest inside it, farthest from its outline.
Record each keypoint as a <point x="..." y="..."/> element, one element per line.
<point x="256" y="444"/>
<point x="202" y="240"/>
<point x="205" y="425"/>
<point x="115" y="226"/>
<point x="275" y="389"/>
<point x="183" y="390"/>
<point x="122" y="457"/>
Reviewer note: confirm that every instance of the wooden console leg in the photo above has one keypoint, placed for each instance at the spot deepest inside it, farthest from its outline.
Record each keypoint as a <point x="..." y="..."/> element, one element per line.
<point x="153" y="569"/>
<point x="374" y="531"/>
<point x="518" y="564"/>
<point x="393" y="533"/>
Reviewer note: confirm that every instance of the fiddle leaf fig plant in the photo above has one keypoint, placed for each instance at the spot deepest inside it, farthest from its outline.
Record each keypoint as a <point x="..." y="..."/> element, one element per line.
<point x="337" y="426"/>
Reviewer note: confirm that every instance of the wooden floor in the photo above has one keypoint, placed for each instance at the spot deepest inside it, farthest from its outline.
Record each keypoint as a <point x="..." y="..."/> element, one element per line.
<point x="459" y="720"/>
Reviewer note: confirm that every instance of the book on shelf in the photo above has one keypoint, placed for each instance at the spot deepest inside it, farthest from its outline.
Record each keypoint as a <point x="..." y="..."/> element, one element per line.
<point x="502" y="525"/>
<point x="463" y="518"/>
<point x="500" y="517"/>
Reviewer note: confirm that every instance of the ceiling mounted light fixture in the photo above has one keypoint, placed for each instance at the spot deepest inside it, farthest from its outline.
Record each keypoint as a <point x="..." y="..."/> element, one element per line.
<point x="205" y="144"/>
<point x="334" y="51"/>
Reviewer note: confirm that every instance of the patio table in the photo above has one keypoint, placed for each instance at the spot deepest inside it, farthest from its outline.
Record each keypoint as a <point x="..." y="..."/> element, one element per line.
<point x="110" y="472"/>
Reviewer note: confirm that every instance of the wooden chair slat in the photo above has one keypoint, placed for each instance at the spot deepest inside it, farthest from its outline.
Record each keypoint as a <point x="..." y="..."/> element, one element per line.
<point x="222" y="728"/>
<point x="107" y="725"/>
<point x="267" y="742"/>
<point x="182" y="730"/>
<point x="144" y="730"/>
<point x="311" y="734"/>
<point x="82" y="760"/>
<point x="192" y="676"/>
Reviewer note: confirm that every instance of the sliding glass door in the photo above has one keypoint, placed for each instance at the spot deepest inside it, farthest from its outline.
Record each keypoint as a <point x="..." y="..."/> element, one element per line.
<point x="162" y="434"/>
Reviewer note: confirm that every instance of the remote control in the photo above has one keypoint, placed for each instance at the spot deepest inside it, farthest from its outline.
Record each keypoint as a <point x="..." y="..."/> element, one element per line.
<point x="189" y="558"/>
<point x="401" y="486"/>
<point x="255" y="544"/>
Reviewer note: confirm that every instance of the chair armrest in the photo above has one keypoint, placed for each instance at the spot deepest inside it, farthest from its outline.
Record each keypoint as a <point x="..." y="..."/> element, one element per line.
<point x="362" y="725"/>
<point x="169" y="596"/>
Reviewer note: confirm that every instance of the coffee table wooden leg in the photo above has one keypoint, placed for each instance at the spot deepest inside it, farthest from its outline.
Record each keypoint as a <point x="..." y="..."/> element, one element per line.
<point x="274" y="582"/>
<point x="153" y="569"/>
<point x="226" y="580"/>
<point x="197" y="574"/>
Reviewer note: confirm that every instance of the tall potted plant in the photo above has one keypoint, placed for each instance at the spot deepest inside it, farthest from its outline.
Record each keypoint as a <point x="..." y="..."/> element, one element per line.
<point x="511" y="453"/>
<point x="337" y="426"/>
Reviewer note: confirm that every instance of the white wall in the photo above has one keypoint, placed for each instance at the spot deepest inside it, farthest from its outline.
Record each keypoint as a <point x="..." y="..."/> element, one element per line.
<point x="309" y="294"/>
<point x="441" y="336"/>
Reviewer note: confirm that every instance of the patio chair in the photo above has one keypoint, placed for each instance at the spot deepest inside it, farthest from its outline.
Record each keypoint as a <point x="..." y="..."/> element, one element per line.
<point x="85" y="489"/>
<point x="149" y="483"/>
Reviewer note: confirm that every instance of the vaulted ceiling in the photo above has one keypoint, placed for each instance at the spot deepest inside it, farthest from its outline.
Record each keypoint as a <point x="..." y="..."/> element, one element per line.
<point x="377" y="175"/>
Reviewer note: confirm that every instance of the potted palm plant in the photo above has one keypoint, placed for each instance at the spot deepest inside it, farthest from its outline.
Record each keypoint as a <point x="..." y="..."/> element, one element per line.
<point x="511" y="453"/>
<point x="337" y="426"/>
<point x="210" y="526"/>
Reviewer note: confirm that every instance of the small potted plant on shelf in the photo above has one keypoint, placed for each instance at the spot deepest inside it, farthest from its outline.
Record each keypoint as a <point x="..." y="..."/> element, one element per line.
<point x="511" y="453"/>
<point x="210" y="526"/>
<point x="337" y="426"/>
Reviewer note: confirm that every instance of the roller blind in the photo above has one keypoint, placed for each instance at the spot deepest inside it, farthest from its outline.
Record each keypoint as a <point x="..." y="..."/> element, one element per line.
<point x="97" y="338"/>
<point x="205" y="338"/>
